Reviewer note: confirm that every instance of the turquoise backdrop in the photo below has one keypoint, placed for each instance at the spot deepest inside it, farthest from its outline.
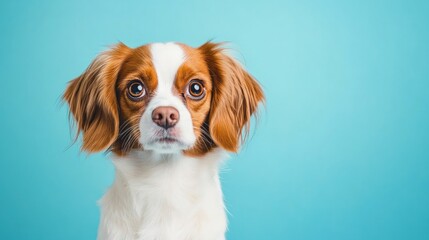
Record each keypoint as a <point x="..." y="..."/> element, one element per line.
<point x="341" y="151"/>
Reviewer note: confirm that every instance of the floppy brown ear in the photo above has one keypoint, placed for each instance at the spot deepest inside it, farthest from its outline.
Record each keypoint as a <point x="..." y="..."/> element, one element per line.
<point x="235" y="98"/>
<point x="92" y="100"/>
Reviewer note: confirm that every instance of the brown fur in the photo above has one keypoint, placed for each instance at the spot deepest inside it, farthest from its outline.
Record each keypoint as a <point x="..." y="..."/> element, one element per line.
<point x="138" y="65"/>
<point x="195" y="67"/>
<point x="236" y="95"/>
<point x="109" y="119"/>
<point x="92" y="100"/>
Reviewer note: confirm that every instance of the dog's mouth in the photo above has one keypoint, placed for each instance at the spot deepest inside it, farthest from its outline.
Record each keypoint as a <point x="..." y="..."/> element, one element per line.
<point x="166" y="137"/>
<point x="167" y="140"/>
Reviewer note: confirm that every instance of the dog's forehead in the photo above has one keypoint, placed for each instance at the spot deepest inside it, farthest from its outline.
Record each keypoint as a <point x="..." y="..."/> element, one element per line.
<point x="166" y="59"/>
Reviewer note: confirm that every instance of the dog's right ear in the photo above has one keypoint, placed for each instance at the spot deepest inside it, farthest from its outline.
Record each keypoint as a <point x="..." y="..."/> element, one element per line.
<point x="92" y="100"/>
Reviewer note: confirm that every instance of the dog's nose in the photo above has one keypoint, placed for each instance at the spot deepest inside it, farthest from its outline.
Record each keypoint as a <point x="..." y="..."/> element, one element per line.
<point x="165" y="117"/>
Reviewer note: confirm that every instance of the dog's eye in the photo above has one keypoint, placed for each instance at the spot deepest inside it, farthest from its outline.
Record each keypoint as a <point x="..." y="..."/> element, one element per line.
<point x="196" y="89"/>
<point x="136" y="90"/>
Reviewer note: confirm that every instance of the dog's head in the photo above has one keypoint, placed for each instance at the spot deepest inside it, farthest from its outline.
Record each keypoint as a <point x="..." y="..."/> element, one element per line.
<point x="165" y="98"/>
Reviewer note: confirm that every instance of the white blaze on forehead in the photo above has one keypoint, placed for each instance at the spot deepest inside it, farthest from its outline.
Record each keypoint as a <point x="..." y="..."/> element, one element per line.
<point x="166" y="58"/>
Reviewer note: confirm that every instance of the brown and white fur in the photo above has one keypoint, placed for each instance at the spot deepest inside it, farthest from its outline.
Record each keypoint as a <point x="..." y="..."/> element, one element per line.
<point x="169" y="113"/>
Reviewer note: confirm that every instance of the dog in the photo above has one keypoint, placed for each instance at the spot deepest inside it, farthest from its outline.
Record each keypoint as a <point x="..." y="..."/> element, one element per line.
<point x="169" y="114"/>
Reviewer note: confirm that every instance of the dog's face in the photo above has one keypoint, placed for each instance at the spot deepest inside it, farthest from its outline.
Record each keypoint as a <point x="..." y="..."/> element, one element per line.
<point x="166" y="98"/>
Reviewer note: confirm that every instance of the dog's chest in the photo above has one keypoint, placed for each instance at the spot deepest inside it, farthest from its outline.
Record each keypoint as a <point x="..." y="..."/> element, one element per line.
<point x="174" y="200"/>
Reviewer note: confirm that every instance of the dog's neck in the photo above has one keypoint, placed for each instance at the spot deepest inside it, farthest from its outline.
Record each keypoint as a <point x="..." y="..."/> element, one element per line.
<point x="139" y="165"/>
<point x="165" y="195"/>
<point x="147" y="176"/>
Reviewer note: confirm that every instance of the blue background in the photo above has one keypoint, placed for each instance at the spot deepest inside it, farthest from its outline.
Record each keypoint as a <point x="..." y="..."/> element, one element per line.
<point x="341" y="151"/>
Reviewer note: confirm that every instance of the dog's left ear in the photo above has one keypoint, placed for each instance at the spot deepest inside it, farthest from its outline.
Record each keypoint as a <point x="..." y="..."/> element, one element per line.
<point x="92" y="100"/>
<point x="236" y="95"/>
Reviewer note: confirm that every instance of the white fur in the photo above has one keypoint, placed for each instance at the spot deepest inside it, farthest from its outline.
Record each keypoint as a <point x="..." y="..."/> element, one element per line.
<point x="159" y="193"/>
<point x="167" y="58"/>
<point x="164" y="197"/>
